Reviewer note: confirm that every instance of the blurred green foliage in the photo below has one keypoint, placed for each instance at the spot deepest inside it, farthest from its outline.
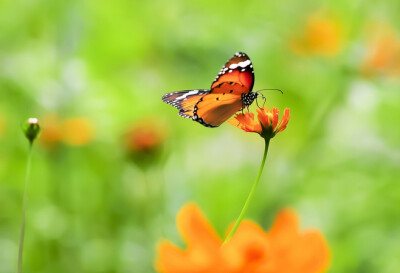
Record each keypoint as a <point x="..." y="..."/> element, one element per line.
<point x="92" y="208"/>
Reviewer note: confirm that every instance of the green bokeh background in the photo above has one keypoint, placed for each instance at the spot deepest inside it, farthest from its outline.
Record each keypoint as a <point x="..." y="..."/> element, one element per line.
<point x="92" y="209"/>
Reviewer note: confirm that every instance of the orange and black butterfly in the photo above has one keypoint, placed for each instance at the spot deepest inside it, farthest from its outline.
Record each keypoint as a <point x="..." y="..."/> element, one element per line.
<point x="229" y="93"/>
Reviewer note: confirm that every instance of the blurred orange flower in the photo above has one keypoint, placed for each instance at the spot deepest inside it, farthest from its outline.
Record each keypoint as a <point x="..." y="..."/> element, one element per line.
<point x="145" y="136"/>
<point x="383" y="52"/>
<point x="144" y="141"/>
<point x="322" y="35"/>
<point x="51" y="131"/>
<point x="267" y="125"/>
<point x="71" y="131"/>
<point x="284" y="249"/>
<point x="77" y="131"/>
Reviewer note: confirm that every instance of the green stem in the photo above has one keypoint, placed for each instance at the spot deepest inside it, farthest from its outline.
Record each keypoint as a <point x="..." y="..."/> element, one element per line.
<point x="22" y="232"/>
<point x="250" y="196"/>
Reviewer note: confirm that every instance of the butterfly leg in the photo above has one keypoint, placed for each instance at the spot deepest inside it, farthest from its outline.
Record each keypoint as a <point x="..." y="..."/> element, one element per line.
<point x="243" y="106"/>
<point x="263" y="98"/>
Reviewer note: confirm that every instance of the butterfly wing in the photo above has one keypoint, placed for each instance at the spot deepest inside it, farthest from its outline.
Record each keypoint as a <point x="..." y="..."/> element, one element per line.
<point x="230" y="92"/>
<point x="235" y="77"/>
<point x="214" y="109"/>
<point x="185" y="101"/>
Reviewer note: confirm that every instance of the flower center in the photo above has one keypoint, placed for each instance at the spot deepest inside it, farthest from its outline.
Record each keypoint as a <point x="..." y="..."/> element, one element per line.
<point x="253" y="254"/>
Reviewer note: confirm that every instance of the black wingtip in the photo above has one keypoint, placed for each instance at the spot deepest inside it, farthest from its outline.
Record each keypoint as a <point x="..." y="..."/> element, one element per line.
<point x="240" y="54"/>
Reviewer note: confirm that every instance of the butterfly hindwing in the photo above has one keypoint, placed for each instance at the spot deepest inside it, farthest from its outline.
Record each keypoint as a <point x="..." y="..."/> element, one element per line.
<point x="214" y="109"/>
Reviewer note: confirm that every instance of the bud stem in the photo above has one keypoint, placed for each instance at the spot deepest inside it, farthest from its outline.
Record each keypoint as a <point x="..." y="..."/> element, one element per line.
<point x="25" y="199"/>
<point x="250" y="196"/>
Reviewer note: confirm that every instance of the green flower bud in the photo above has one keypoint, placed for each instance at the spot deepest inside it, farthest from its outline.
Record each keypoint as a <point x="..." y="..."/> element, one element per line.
<point x="31" y="129"/>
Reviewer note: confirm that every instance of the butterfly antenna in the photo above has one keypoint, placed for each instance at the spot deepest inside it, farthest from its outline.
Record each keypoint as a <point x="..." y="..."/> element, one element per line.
<point x="270" y="89"/>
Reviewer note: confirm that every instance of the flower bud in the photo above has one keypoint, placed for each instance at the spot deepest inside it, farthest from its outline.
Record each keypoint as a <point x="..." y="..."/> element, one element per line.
<point x="31" y="129"/>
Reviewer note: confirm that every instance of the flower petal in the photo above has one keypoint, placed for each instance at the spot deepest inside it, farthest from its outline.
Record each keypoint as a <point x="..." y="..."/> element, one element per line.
<point x="171" y="259"/>
<point x="263" y="117"/>
<point x="296" y="252"/>
<point x="202" y="245"/>
<point x="312" y="253"/>
<point x="195" y="229"/>
<point x="249" y="249"/>
<point x="246" y="122"/>
<point x="285" y="228"/>
<point x="275" y="117"/>
<point x="234" y="122"/>
<point x="285" y="120"/>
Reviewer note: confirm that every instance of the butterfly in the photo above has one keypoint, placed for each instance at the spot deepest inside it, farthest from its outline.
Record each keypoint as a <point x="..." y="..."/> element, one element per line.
<point x="231" y="91"/>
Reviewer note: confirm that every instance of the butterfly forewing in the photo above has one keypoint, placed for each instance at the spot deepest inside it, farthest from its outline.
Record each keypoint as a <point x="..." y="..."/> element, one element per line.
<point x="185" y="101"/>
<point x="237" y="72"/>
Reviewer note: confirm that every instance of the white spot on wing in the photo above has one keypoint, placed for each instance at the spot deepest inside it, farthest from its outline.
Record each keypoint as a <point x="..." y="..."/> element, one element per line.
<point x="241" y="64"/>
<point x="184" y="96"/>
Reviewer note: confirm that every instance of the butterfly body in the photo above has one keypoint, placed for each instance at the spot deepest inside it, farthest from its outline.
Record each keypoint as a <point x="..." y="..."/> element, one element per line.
<point x="230" y="92"/>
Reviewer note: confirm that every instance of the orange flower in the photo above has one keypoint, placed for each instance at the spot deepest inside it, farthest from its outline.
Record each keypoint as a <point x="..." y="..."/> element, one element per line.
<point x="322" y="35"/>
<point x="267" y="125"/>
<point x="77" y="131"/>
<point x="284" y="249"/>
<point x="72" y="131"/>
<point x="144" y="141"/>
<point x="145" y="136"/>
<point x="383" y="52"/>
<point x="51" y="132"/>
